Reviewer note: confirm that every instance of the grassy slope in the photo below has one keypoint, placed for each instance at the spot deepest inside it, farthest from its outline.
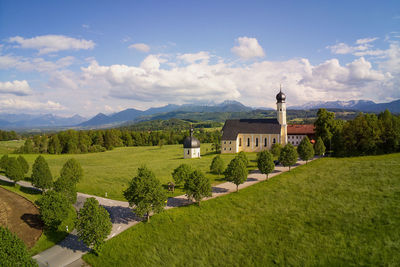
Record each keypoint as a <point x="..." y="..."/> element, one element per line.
<point x="111" y="171"/>
<point x="9" y="146"/>
<point x="330" y="212"/>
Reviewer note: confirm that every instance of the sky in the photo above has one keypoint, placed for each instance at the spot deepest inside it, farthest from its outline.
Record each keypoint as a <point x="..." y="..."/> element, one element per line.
<point x="85" y="57"/>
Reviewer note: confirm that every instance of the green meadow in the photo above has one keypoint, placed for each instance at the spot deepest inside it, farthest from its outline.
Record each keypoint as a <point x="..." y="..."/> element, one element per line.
<point x="112" y="170"/>
<point x="330" y="212"/>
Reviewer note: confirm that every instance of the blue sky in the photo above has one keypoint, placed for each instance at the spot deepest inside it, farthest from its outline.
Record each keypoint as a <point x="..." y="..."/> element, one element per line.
<point x="85" y="57"/>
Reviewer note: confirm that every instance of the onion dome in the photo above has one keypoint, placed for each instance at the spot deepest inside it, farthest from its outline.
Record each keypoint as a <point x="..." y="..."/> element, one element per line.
<point x="280" y="97"/>
<point x="191" y="141"/>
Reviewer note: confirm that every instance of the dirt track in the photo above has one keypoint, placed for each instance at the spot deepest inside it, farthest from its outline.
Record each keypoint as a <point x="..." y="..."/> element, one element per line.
<point x="20" y="216"/>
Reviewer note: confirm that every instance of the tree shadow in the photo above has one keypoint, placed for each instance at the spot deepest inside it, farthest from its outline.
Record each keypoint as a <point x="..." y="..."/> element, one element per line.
<point x="33" y="220"/>
<point x="251" y="179"/>
<point x="73" y="243"/>
<point x="219" y="190"/>
<point x="30" y="190"/>
<point x="123" y="215"/>
<point x="177" y="202"/>
<point x="6" y="183"/>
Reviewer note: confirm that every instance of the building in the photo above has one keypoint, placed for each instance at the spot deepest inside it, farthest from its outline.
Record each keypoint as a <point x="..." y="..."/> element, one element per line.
<point x="296" y="133"/>
<point x="191" y="146"/>
<point x="254" y="135"/>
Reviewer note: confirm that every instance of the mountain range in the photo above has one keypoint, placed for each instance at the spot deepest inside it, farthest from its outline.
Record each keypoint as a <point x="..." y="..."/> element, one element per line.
<point x="131" y="115"/>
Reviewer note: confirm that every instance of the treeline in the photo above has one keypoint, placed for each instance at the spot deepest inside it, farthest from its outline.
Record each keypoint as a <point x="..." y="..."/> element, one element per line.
<point x="8" y="135"/>
<point x="171" y="125"/>
<point x="73" y="142"/>
<point x="366" y="134"/>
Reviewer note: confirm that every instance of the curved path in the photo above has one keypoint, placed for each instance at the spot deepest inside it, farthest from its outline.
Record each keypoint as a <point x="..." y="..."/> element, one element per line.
<point x="69" y="251"/>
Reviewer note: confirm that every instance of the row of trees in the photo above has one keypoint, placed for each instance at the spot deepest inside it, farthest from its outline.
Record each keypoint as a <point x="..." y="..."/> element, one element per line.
<point x="14" y="168"/>
<point x="73" y="142"/>
<point x="367" y="134"/>
<point x="8" y="135"/>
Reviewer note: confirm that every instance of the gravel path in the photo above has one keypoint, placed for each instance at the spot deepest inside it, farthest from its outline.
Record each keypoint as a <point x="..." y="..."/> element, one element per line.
<point x="69" y="251"/>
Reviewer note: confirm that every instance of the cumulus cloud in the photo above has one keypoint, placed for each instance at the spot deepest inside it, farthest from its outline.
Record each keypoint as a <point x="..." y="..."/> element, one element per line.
<point x="140" y="47"/>
<point x="201" y="56"/>
<point x="361" y="48"/>
<point x="248" y="48"/>
<point x="52" y="43"/>
<point x="19" y="88"/>
<point x="34" y="64"/>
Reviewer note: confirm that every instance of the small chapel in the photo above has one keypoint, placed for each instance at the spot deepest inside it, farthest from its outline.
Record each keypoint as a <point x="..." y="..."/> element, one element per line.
<point x="191" y="146"/>
<point x="255" y="135"/>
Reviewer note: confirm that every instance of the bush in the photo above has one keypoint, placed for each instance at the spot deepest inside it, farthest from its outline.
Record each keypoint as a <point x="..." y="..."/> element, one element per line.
<point x="217" y="165"/>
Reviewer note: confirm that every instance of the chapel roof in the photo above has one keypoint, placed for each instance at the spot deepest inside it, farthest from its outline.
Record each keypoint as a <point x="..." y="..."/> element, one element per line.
<point x="249" y="126"/>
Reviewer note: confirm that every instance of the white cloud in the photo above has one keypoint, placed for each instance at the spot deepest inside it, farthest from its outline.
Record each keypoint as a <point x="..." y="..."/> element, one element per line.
<point x="19" y="104"/>
<point x="366" y="40"/>
<point x="361" y="48"/>
<point x="140" y="47"/>
<point x="20" y="88"/>
<point x="201" y="56"/>
<point x="248" y="48"/>
<point x="52" y="43"/>
<point x="34" y="64"/>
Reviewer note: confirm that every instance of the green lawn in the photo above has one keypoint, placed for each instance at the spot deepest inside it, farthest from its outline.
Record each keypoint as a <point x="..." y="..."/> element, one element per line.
<point x="111" y="171"/>
<point x="331" y="211"/>
<point x="7" y="147"/>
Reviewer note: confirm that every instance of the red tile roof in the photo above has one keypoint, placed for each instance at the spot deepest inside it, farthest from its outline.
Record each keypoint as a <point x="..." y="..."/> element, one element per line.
<point x="300" y="129"/>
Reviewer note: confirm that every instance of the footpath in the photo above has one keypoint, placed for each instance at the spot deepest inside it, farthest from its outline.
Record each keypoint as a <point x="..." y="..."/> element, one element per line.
<point x="69" y="251"/>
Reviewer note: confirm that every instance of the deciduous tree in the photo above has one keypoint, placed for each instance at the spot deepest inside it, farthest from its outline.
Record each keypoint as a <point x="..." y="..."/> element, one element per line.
<point x="276" y="149"/>
<point x="41" y="175"/>
<point x="4" y="161"/>
<point x="236" y="172"/>
<point x="217" y="165"/>
<point x="242" y="156"/>
<point x="319" y="147"/>
<point x="53" y="208"/>
<point x="305" y="149"/>
<point x="13" y="251"/>
<point x="14" y="170"/>
<point x="265" y="162"/>
<point x="288" y="156"/>
<point x="73" y="170"/>
<point x="24" y="164"/>
<point x="181" y="173"/>
<point x="146" y="193"/>
<point x="93" y="224"/>
<point x="197" y="186"/>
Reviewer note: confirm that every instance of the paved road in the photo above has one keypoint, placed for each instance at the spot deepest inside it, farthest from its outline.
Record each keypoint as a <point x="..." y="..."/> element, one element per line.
<point x="69" y="251"/>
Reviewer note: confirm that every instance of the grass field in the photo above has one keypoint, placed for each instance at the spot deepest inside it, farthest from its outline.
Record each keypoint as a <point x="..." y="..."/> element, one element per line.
<point x="331" y="211"/>
<point x="111" y="171"/>
<point x="7" y="147"/>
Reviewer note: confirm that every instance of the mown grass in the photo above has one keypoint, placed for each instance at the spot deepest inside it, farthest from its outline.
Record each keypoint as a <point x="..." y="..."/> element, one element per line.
<point x="7" y="147"/>
<point x="111" y="171"/>
<point x="49" y="237"/>
<point x="330" y="212"/>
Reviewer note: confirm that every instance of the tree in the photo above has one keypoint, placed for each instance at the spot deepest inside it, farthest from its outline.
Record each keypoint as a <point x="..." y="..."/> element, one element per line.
<point x="325" y="125"/>
<point x="216" y="144"/>
<point x="236" y="172"/>
<point x="24" y="164"/>
<point x="181" y="173"/>
<point x="217" y="165"/>
<point x="14" y="170"/>
<point x="288" y="155"/>
<point x="197" y="186"/>
<point x="242" y="156"/>
<point x="67" y="187"/>
<point x="319" y="147"/>
<point x="53" y="208"/>
<point x="93" y="224"/>
<point x="54" y="145"/>
<point x="13" y="251"/>
<point x="265" y="162"/>
<point x="146" y="193"/>
<point x="27" y="148"/>
<point x="305" y="149"/>
<point x="4" y="161"/>
<point x="73" y="170"/>
<point x="41" y="175"/>
<point x="276" y="149"/>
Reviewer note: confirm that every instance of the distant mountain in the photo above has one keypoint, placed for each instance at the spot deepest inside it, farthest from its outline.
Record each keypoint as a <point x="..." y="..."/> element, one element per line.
<point x="360" y="105"/>
<point x="17" y="121"/>
<point x="132" y="115"/>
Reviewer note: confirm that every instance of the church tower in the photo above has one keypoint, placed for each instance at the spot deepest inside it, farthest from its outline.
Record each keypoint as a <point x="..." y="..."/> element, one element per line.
<point x="281" y="115"/>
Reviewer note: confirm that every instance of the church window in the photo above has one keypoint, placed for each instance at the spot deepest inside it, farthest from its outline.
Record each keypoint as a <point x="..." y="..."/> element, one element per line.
<point x="230" y="142"/>
<point x="224" y="142"/>
<point x="280" y="109"/>
<point x="230" y="148"/>
<point x="274" y="141"/>
<point x="265" y="141"/>
<point x="224" y="148"/>
<point x="240" y="141"/>
<point x="248" y="141"/>
<point x="256" y="141"/>
<point x="188" y="152"/>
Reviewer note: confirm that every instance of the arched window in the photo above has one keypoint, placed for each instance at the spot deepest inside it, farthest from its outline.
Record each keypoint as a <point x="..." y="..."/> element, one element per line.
<point x="274" y="141"/>
<point x="265" y="141"/>
<point x="240" y="141"/>
<point x="248" y="141"/>
<point x="256" y="141"/>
